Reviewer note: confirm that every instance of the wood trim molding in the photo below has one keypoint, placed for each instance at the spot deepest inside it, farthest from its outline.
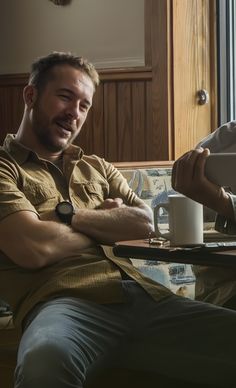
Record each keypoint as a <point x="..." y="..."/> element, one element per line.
<point x="193" y="70"/>
<point x="14" y="79"/>
<point x="160" y="49"/>
<point x="147" y="33"/>
<point x="213" y="66"/>
<point x="130" y="73"/>
<point x="151" y="164"/>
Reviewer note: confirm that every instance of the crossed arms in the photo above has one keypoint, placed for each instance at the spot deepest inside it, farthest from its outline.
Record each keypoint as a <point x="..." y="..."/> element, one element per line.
<point x="31" y="242"/>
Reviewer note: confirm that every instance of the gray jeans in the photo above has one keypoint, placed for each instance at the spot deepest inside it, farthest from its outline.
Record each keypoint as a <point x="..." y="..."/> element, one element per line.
<point x="177" y="336"/>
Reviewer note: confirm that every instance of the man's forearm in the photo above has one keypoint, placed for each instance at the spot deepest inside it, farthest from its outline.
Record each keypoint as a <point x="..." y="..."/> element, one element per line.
<point x="108" y="226"/>
<point x="62" y="242"/>
<point x="36" y="243"/>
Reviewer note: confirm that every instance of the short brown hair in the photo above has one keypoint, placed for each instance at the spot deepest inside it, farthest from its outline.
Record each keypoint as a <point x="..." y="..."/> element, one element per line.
<point x="41" y="69"/>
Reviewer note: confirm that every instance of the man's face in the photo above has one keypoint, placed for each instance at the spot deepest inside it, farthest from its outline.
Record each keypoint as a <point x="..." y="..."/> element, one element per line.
<point x="62" y="107"/>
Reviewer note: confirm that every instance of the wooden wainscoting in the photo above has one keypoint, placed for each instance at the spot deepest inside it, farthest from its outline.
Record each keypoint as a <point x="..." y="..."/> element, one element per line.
<point x="145" y="165"/>
<point x="11" y="102"/>
<point x="119" y="126"/>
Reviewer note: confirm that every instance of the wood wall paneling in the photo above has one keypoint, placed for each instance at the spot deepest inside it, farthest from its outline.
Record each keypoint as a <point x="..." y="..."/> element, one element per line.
<point x="111" y="136"/>
<point x="118" y="125"/>
<point x="91" y="137"/>
<point x="11" y="108"/>
<point x="161" y="103"/>
<point x="125" y="110"/>
<point x="139" y="124"/>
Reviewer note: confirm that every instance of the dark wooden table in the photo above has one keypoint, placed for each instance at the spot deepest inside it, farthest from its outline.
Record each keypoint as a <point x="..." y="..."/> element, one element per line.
<point x="142" y="249"/>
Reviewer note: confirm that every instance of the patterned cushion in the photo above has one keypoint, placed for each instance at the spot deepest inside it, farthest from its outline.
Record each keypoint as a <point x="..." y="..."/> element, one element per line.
<point x="153" y="185"/>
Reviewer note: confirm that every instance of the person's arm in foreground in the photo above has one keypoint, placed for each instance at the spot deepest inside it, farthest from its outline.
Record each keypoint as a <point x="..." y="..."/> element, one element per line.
<point x="189" y="179"/>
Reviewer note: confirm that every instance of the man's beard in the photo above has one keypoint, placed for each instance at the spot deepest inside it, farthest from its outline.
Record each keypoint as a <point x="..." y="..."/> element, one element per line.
<point x="45" y="139"/>
<point x="43" y="131"/>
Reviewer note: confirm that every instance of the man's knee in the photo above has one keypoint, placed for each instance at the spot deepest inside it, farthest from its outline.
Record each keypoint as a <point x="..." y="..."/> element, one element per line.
<point x="50" y="363"/>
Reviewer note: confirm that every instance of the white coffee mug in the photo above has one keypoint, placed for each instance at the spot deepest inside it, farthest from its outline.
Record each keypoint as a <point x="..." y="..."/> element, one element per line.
<point x="185" y="218"/>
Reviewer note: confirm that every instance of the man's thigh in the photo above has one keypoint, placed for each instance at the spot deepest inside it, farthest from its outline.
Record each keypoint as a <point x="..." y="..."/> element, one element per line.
<point x="63" y="337"/>
<point x="75" y="321"/>
<point x="181" y="338"/>
<point x="177" y="336"/>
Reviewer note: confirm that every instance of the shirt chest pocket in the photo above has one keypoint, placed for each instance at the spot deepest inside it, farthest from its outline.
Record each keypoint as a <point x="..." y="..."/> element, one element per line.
<point x="40" y="195"/>
<point x="89" y="194"/>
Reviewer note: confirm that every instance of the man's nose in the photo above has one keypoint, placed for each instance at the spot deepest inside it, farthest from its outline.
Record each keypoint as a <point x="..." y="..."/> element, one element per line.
<point x="74" y="110"/>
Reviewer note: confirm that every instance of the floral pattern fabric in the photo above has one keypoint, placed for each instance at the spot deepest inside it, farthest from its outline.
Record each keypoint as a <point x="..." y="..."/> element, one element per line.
<point x="153" y="185"/>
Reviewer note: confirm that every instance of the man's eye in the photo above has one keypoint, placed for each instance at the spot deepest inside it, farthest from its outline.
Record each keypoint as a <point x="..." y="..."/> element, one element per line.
<point x="64" y="97"/>
<point x="84" y="108"/>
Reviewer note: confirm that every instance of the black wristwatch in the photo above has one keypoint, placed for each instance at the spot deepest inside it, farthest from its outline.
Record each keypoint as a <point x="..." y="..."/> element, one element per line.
<point x="65" y="211"/>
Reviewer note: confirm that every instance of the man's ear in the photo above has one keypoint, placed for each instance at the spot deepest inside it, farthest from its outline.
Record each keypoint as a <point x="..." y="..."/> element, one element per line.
<point x="30" y="95"/>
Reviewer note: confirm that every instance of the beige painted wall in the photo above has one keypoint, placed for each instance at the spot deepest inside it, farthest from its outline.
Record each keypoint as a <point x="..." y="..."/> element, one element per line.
<point x="110" y="33"/>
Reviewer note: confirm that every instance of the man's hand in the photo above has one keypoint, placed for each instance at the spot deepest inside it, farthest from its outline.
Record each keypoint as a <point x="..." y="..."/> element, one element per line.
<point x="112" y="203"/>
<point x="114" y="221"/>
<point x="188" y="178"/>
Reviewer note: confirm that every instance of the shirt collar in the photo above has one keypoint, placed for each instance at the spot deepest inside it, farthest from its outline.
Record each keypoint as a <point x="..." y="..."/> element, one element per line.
<point x="21" y="153"/>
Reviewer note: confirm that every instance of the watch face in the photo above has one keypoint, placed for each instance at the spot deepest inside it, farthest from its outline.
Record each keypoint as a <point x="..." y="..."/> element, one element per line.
<point x="65" y="211"/>
<point x="65" y="208"/>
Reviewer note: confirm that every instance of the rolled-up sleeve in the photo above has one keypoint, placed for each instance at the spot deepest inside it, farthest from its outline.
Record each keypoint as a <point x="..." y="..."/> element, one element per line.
<point x="12" y="199"/>
<point x="224" y="225"/>
<point x="118" y="186"/>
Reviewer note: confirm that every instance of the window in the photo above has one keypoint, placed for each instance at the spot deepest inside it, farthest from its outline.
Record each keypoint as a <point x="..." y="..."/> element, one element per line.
<point x="226" y="26"/>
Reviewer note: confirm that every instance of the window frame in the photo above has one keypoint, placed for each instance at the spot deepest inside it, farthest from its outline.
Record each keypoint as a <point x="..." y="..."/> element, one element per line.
<point x="226" y="33"/>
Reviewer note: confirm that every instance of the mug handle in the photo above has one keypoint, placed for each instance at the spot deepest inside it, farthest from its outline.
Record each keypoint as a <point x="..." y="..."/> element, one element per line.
<point x="165" y="206"/>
